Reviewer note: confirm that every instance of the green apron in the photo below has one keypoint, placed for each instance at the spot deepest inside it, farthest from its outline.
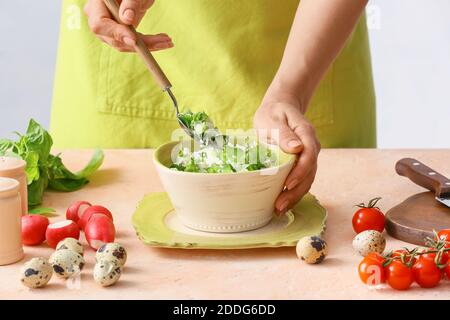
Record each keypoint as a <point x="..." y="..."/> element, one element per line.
<point x="225" y="56"/>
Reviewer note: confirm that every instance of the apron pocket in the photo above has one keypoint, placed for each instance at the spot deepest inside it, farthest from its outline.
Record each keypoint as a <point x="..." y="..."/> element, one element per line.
<point x="126" y="88"/>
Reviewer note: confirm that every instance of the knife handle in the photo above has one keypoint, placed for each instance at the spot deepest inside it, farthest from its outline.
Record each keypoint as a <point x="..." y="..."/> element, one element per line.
<point x="423" y="176"/>
<point x="141" y="48"/>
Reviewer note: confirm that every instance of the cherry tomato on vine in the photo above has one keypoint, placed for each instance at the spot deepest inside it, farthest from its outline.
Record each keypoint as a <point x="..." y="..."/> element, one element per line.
<point x="447" y="271"/>
<point x="398" y="275"/>
<point x="426" y="273"/>
<point x="399" y="253"/>
<point x="370" y="270"/>
<point x="368" y="217"/>
<point x="432" y="256"/>
<point x="445" y="235"/>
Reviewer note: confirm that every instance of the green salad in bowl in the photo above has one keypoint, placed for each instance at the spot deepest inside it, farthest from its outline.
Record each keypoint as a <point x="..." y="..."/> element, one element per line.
<point x="215" y="152"/>
<point x="221" y="182"/>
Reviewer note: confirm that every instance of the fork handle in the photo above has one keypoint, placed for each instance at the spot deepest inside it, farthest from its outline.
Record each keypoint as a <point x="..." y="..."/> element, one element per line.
<point x="141" y="48"/>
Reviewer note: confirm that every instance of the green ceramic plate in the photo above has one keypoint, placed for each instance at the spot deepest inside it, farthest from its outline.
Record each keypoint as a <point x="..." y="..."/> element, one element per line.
<point x="157" y="225"/>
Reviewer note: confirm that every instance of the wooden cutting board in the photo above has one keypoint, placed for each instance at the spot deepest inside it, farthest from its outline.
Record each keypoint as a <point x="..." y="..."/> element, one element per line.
<point x="415" y="218"/>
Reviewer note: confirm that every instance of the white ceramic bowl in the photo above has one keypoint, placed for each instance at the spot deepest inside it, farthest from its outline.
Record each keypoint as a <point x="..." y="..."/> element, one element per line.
<point x="222" y="202"/>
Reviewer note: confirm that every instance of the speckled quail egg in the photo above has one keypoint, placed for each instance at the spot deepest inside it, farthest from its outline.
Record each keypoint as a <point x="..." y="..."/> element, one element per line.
<point x="66" y="263"/>
<point x="113" y="252"/>
<point x="71" y="244"/>
<point x="369" y="241"/>
<point x="36" y="273"/>
<point x="107" y="273"/>
<point x="312" y="249"/>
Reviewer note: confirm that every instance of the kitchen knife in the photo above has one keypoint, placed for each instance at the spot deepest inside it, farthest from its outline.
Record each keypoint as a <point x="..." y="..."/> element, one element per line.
<point x="425" y="177"/>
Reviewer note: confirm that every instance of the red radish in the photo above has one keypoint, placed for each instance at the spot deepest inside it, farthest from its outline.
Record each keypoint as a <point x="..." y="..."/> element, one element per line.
<point x="33" y="229"/>
<point x="76" y="210"/>
<point x="99" y="230"/>
<point x="90" y="211"/>
<point x="60" y="230"/>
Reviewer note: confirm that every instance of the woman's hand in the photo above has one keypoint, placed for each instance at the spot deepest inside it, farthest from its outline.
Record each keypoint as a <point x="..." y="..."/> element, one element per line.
<point x="318" y="33"/>
<point x="117" y="35"/>
<point x="296" y="136"/>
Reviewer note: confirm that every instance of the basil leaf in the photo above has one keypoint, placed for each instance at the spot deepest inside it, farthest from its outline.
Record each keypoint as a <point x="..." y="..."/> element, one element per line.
<point x="44" y="169"/>
<point x="93" y="165"/>
<point x="57" y="170"/>
<point x="67" y="185"/>
<point x="5" y="146"/>
<point x="42" y="211"/>
<point x="38" y="140"/>
<point x="62" y="179"/>
<point x="36" y="191"/>
<point x="32" y="170"/>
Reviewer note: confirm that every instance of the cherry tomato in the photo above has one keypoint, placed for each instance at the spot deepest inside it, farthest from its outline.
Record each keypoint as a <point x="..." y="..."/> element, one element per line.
<point x="371" y="270"/>
<point x="432" y="256"/>
<point x="447" y="271"/>
<point x="368" y="217"/>
<point x="398" y="275"/>
<point x="376" y="256"/>
<point x="445" y="234"/>
<point x="426" y="273"/>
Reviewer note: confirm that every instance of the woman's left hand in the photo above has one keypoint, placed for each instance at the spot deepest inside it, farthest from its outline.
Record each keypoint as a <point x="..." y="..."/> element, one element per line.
<point x="296" y="136"/>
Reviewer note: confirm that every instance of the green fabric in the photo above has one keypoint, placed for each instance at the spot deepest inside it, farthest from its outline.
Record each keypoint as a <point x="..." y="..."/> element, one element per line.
<point x="307" y="218"/>
<point x="226" y="54"/>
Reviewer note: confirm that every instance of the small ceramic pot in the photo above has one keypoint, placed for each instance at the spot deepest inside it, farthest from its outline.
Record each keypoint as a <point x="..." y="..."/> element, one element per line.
<point x="10" y="222"/>
<point x="14" y="168"/>
<point x="222" y="202"/>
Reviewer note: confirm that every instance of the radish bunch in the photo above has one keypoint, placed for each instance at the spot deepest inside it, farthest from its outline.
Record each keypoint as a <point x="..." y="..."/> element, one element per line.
<point x="96" y="222"/>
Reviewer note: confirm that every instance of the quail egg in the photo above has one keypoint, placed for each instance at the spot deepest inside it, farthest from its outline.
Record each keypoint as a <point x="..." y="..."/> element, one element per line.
<point x="107" y="273"/>
<point x="113" y="252"/>
<point x="369" y="241"/>
<point x="66" y="263"/>
<point x="312" y="249"/>
<point x="71" y="244"/>
<point x="36" y="273"/>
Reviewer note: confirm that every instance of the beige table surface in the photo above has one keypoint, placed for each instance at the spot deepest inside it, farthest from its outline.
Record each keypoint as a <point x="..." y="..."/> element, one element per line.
<point x="345" y="177"/>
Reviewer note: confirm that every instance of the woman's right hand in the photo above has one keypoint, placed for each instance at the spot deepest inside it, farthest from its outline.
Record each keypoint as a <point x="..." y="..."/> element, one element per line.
<point x="117" y="35"/>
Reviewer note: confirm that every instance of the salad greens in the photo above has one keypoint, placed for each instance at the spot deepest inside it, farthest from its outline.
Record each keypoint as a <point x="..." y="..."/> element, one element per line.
<point x="202" y="127"/>
<point x="43" y="169"/>
<point x="218" y="153"/>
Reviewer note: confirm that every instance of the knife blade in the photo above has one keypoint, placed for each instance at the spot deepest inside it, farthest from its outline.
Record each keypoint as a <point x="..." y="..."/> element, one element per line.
<point x="426" y="177"/>
<point x="445" y="201"/>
